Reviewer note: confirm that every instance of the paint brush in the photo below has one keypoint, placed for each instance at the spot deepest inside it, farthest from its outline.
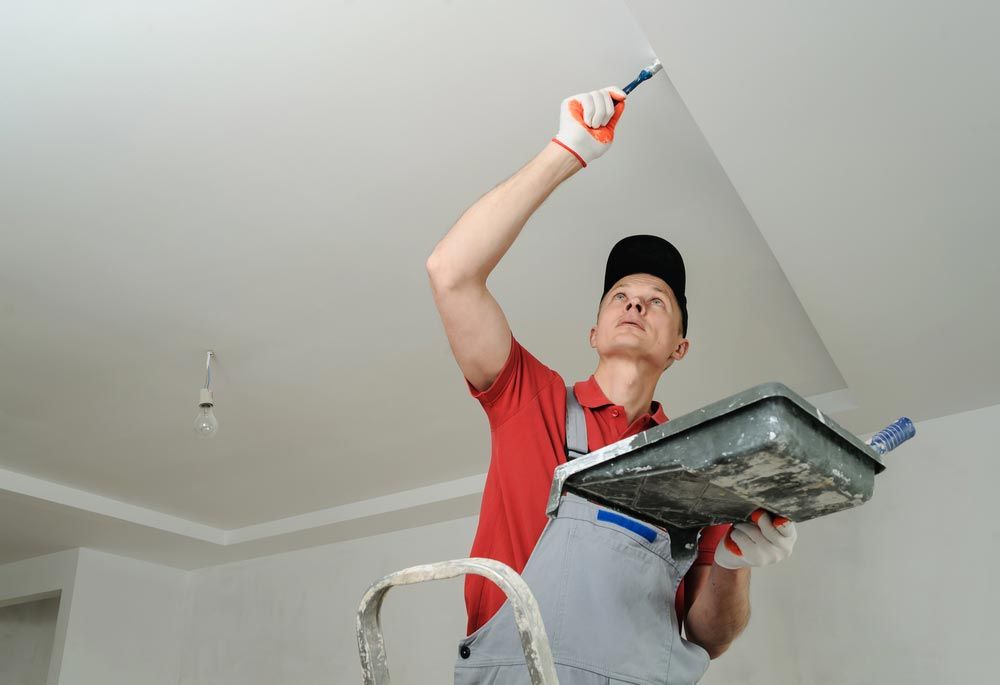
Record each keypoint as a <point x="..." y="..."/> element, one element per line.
<point x="645" y="74"/>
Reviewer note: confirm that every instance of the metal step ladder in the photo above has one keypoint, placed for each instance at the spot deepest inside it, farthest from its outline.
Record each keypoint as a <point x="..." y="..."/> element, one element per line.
<point x="534" y="640"/>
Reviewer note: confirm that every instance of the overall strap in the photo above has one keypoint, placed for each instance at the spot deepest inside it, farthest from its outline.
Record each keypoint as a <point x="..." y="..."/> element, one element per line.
<point x="576" y="427"/>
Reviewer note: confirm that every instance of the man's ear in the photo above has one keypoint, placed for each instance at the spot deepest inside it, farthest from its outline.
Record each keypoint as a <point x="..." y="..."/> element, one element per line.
<point x="593" y="337"/>
<point x="680" y="350"/>
<point x="678" y="353"/>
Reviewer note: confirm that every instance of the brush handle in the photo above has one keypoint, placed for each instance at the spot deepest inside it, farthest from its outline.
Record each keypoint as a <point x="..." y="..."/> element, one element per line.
<point x="643" y="75"/>
<point x="893" y="435"/>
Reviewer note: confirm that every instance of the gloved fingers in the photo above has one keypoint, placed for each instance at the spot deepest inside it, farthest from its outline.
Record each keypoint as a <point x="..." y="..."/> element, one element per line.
<point x="743" y="535"/>
<point x="731" y="544"/>
<point x="778" y="529"/>
<point x="766" y="525"/>
<point x="783" y="536"/>
<point x="786" y="528"/>
<point x="753" y="553"/>
<point x="600" y="109"/>
<point x="788" y="533"/>
<point x="587" y="100"/>
<point x="587" y="123"/>
<point x="768" y="530"/>
<point x="617" y="94"/>
<point x="728" y="554"/>
<point x="619" y="110"/>
<point x="760" y="543"/>
<point x="607" y="106"/>
<point x="753" y="532"/>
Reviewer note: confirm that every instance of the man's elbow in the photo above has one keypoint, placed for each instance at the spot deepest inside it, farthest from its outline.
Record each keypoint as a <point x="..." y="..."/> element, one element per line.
<point x="434" y="265"/>
<point x="715" y="651"/>
<point x="441" y="276"/>
<point x="446" y="275"/>
<point x="717" y="637"/>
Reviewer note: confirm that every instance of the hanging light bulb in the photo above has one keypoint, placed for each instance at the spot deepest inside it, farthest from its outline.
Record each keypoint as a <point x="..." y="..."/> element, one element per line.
<point x="205" y="424"/>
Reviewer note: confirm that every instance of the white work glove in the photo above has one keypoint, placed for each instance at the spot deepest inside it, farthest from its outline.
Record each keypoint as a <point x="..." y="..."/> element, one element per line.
<point x="587" y="122"/>
<point x="761" y="543"/>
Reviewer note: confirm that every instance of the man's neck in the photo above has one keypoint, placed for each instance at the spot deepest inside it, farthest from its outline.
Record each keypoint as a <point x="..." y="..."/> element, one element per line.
<point x="627" y="384"/>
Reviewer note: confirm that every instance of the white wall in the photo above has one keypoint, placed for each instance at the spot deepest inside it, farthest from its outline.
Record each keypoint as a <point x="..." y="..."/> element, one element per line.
<point x="119" y="620"/>
<point x="125" y="625"/>
<point x="45" y="576"/>
<point x="290" y="618"/>
<point x="26" y="634"/>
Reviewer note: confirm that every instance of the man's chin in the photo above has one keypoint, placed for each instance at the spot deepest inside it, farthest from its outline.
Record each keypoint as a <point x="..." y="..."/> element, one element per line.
<point x="626" y="347"/>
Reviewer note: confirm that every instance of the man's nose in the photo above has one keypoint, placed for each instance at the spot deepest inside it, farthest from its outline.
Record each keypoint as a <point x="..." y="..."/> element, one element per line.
<point x="634" y="303"/>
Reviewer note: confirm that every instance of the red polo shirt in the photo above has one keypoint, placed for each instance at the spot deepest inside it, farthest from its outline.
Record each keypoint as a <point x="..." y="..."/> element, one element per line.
<point x="526" y="408"/>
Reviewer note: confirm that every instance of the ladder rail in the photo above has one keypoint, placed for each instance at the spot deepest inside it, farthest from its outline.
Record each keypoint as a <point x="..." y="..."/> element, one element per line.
<point x="534" y="640"/>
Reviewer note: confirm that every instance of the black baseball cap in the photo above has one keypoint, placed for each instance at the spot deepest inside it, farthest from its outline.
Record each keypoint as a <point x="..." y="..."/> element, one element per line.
<point x="648" y="254"/>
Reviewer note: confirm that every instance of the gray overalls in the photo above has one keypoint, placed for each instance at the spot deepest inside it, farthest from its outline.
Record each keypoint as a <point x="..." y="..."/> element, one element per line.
<point x="605" y="584"/>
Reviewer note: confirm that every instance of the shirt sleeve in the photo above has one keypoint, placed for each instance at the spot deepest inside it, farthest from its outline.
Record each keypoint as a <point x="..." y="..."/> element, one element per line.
<point x="518" y="383"/>
<point x="710" y="539"/>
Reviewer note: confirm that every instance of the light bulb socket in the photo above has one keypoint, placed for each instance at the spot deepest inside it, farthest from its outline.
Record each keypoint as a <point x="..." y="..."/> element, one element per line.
<point x="206" y="398"/>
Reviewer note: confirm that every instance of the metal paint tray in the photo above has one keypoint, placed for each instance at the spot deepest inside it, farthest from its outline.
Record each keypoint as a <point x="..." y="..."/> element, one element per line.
<point x="763" y="448"/>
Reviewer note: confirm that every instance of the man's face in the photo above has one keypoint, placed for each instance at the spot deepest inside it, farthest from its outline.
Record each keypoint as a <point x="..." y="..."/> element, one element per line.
<point x="640" y="319"/>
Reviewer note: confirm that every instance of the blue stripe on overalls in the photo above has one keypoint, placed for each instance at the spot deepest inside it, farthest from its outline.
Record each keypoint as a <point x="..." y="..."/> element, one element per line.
<point x="605" y="585"/>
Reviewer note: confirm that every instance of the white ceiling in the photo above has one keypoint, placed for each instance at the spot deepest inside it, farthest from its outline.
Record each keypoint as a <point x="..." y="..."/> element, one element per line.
<point x="863" y="139"/>
<point x="266" y="180"/>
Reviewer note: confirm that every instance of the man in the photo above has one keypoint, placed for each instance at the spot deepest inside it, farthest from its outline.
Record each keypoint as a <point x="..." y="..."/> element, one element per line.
<point x="613" y="593"/>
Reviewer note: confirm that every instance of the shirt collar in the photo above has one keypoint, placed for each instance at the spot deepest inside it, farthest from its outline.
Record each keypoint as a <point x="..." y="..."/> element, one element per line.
<point x="590" y="395"/>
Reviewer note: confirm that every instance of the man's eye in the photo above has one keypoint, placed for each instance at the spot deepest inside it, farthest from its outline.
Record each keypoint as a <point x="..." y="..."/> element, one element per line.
<point x="619" y="296"/>
<point x="658" y="301"/>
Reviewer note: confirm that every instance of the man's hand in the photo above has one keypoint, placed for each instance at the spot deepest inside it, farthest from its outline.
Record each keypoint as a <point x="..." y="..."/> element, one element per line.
<point x="761" y="543"/>
<point x="587" y="122"/>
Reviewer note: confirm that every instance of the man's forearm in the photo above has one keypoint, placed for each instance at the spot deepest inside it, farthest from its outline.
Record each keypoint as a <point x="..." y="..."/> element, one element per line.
<point x="484" y="233"/>
<point x="721" y="610"/>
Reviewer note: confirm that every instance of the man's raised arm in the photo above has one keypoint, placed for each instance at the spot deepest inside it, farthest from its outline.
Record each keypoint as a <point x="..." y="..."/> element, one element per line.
<point x="460" y="264"/>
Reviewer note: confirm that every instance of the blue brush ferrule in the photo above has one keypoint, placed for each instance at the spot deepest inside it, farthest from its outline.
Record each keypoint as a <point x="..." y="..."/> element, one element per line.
<point x="643" y="75"/>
